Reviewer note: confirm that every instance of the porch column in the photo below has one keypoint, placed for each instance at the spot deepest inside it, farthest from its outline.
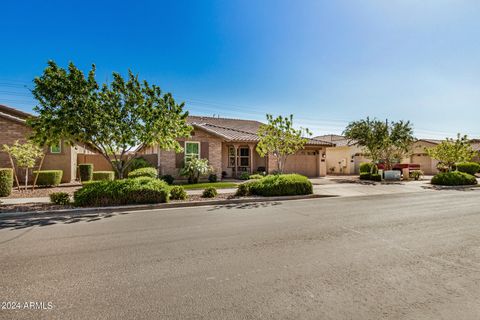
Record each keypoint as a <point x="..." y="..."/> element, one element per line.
<point x="251" y="158"/>
<point x="235" y="146"/>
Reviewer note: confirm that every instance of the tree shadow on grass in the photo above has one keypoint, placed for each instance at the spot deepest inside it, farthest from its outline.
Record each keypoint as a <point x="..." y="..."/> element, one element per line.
<point x="42" y="221"/>
<point x="247" y="205"/>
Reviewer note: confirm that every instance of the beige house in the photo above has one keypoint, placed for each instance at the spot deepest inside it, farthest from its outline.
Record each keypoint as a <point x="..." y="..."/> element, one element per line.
<point x="345" y="157"/>
<point x="230" y="147"/>
<point x="61" y="157"/>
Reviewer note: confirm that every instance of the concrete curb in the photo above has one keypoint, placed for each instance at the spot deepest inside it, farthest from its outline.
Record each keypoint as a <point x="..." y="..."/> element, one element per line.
<point x="80" y="211"/>
<point x="438" y="187"/>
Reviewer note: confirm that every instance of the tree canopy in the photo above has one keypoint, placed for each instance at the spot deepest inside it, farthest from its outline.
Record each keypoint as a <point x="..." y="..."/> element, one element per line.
<point x="452" y="151"/>
<point x="280" y="139"/>
<point x="385" y="141"/>
<point x="113" y="118"/>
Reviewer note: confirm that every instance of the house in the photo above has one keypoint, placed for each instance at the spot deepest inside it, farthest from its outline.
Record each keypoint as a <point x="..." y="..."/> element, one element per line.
<point x="60" y="157"/>
<point x="230" y="147"/>
<point x="346" y="156"/>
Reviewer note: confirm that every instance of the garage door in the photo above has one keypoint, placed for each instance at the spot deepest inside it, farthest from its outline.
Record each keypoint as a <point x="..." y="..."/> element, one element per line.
<point x="304" y="163"/>
<point x="425" y="163"/>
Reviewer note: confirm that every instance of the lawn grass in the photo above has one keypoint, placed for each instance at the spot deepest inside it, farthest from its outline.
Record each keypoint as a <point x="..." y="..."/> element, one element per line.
<point x="218" y="185"/>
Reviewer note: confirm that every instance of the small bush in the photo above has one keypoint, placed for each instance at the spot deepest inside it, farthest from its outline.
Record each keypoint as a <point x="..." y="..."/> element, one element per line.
<point x="6" y="182"/>
<point x="281" y="185"/>
<point x="468" y="167"/>
<point x="168" y="178"/>
<point x="416" y="174"/>
<point x="178" y="193"/>
<point x="210" y="192"/>
<point x="243" y="190"/>
<point x="244" y="176"/>
<point x="255" y="176"/>
<point x="120" y="192"/>
<point x="367" y="167"/>
<point x="212" y="177"/>
<point x="49" y="178"/>
<point x="375" y="177"/>
<point x="454" y="178"/>
<point x="365" y="175"/>
<point x="86" y="171"/>
<point x="103" y="175"/>
<point x="138" y="163"/>
<point x="61" y="198"/>
<point x="143" y="172"/>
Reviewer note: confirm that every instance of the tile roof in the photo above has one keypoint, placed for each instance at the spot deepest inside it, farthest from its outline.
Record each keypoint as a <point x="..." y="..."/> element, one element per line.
<point x="13" y="114"/>
<point x="236" y="129"/>
<point x="337" y="140"/>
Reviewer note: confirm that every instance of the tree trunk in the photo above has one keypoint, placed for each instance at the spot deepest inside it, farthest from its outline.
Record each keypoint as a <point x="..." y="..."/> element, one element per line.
<point x="26" y="179"/>
<point x="38" y="172"/>
<point x="14" y="170"/>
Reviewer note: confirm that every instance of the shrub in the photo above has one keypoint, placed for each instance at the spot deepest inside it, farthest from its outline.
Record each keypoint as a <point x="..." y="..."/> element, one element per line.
<point x="143" y="172"/>
<point x="468" y="167"/>
<point x="138" y="163"/>
<point x="365" y="175"/>
<point x="210" y="192"/>
<point x="85" y="171"/>
<point x="120" y="192"/>
<point x="375" y="177"/>
<point x="49" y="178"/>
<point x="103" y="175"/>
<point x="168" y="178"/>
<point x="244" y="176"/>
<point x="416" y="174"/>
<point x="212" y="177"/>
<point x="454" y="178"/>
<point x="61" y="198"/>
<point x="6" y="182"/>
<point x="194" y="168"/>
<point x="280" y="185"/>
<point x="178" y="193"/>
<point x="366" y="167"/>
<point x="255" y="176"/>
<point x="243" y="190"/>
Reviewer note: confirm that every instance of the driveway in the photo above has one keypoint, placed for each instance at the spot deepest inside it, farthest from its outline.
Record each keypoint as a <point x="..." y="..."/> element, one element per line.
<point x="400" y="256"/>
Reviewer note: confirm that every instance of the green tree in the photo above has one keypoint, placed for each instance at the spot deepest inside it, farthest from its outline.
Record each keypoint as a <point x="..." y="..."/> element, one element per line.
<point x="452" y="151"/>
<point x="25" y="155"/>
<point x="384" y="141"/>
<point x="280" y="139"/>
<point x="113" y="119"/>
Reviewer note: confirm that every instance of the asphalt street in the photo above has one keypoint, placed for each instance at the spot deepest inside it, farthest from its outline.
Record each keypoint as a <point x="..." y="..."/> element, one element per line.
<point x="402" y="256"/>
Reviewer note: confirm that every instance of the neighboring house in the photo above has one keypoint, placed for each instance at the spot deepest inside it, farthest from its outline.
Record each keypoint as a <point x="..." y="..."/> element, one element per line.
<point x="344" y="157"/>
<point x="60" y="157"/>
<point x="230" y="147"/>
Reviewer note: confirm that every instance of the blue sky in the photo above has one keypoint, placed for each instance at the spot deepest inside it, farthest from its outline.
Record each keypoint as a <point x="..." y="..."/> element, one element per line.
<point x="327" y="62"/>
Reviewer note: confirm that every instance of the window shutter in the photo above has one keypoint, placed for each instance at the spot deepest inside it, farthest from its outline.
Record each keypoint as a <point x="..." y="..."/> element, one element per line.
<point x="204" y="150"/>
<point x="179" y="157"/>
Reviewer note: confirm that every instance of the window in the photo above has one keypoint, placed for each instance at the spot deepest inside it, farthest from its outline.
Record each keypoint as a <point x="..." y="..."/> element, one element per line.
<point x="231" y="157"/>
<point x="56" y="148"/>
<point x="192" y="150"/>
<point x="244" y="157"/>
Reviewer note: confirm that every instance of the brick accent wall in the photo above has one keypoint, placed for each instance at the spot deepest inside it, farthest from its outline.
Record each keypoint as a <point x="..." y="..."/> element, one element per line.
<point x="167" y="158"/>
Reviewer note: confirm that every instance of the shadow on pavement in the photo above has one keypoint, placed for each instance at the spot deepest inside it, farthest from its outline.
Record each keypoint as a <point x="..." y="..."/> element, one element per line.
<point x="248" y="205"/>
<point x="31" y="221"/>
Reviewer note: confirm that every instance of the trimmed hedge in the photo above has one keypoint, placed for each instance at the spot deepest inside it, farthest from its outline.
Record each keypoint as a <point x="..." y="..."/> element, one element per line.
<point x="61" y="198"/>
<point x="454" y="178"/>
<point x="370" y="176"/>
<point x="210" y="192"/>
<point x="256" y="176"/>
<point x="243" y="190"/>
<point x="468" y="167"/>
<point x="178" y="193"/>
<point x="366" y="167"/>
<point x="121" y="192"/>
<point x="49" y="178"/>
<point x="143" y="172"/>
<point x="85" y="171"/>
<point x="6" y="182"/>
<point x="103" y="175"/>
<point x="277" y="185"/>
